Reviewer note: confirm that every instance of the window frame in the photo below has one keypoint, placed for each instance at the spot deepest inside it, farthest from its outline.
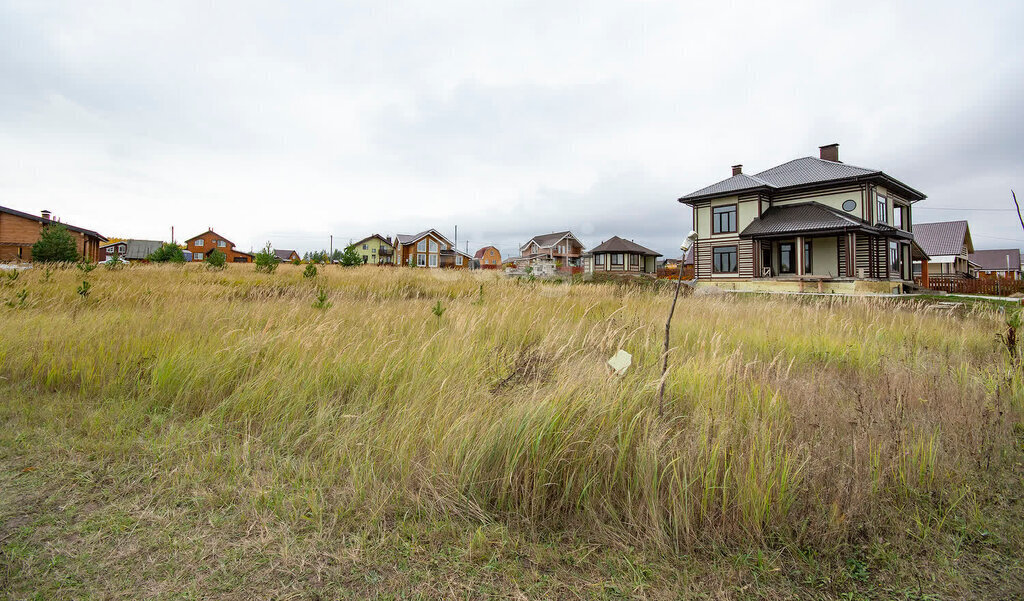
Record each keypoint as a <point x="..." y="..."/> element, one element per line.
<point x="898" y="210"/>
<point x="434" y="246"/>
<point x="732" y="209"/>
<point x="421" y="260"/>
<point x="792" y="257"/>
<point x="222" y="244"/>
<point x="620" y="262"/>
<point x="895" y="258"/>
<point x="634" y="260"/>
<point x="716" y="250"/>
<point x="432" y="260"/>
<point x="808" y="252"/>
<point x="881" y="206"/>
<point x="199" y="242"/>
<point x="197" y="256"/>
<point x="599" y="259"/>
<point x="421" y="246"/>
<point x="458" y="259"/>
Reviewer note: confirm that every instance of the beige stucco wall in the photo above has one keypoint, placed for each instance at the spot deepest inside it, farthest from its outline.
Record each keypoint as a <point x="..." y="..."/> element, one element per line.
<point x="824" y="257"/>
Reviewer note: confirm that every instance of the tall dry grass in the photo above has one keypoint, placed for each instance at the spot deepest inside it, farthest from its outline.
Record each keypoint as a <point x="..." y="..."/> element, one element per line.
<point x="805" y="422"/>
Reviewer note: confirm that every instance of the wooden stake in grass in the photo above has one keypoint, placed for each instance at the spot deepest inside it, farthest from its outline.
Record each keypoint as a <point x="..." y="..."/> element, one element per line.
<point x="685" y="247"/>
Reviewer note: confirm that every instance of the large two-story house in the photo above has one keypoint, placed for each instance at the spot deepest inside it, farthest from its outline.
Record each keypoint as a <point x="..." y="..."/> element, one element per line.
<point x="430" y="249"/>
<point x="813" y="223"/>
<point x="202" y="245"/>
<point x="562" y="248"/>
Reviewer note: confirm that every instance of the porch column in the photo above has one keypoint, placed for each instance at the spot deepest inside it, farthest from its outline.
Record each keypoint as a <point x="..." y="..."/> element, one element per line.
<point x="851" y="253"/>
<point x="799" y="255"/>
<point x="924" y="274"/>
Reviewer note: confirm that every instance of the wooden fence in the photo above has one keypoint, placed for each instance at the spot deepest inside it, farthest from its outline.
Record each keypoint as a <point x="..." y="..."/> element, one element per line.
<point x="989" y="286"/>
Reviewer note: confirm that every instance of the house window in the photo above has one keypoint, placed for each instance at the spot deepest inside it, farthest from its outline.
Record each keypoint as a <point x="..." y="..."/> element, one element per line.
<point x="197" y="256"/>
<point x="883" y="210"/>
<point x="421" y="260"/>
<point x="634" y="260"/>
<point x="599" y="259"/>
<point x="365" y="258"/>
<point x="807" y="257"/>
<point x="364" y="247"/>
<point x="897" y="216"/>
<point x="421" y="246"/>
<point x="433" y="246"/>
<point x="433" y="260"/>
<point x="199" y="242"/>
<point x="895" y="260"/>
<point x="617" y="260"/>
<point x="724" y="259"/>
<point x="787" y="264"/>
<point x="458" y="259"/>
<point x="723" y="219"/>
<point x="121" y="249"/>
<point x="221" y="243"/>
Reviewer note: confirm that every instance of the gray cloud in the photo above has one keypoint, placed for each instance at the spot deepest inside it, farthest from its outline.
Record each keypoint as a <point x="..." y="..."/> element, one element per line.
<point x="507" y="119"/>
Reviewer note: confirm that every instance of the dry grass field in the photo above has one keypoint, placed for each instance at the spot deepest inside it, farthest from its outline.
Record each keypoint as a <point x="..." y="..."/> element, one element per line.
<point x="182" y="433"/>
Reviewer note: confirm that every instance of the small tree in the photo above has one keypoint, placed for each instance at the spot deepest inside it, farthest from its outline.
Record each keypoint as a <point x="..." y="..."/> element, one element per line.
<point x="55" y="245"/>
<point x="350" y="257"/>
<point x="266" y="260"/>
<point x="167" y="253"/>
<point x="216" y="259"/>
<point x="310" y="271"/>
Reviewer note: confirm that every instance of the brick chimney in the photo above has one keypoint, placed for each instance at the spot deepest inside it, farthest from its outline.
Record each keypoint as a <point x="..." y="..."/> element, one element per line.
<point x="737" y="169"/>
<point x="829" y="152"/>
<point x="45" y="214"/>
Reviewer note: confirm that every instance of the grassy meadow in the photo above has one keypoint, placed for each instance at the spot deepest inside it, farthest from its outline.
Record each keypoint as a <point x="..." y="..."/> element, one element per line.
<point x="182" y="433"/>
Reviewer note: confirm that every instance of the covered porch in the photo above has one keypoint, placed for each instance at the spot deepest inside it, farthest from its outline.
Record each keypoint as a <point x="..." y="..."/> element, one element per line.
<point x="814" y="243"/>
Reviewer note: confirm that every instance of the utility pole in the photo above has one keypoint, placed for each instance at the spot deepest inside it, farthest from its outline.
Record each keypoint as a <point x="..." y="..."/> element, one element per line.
<point x="332" y="244"/>
<point x="172" y="234"/>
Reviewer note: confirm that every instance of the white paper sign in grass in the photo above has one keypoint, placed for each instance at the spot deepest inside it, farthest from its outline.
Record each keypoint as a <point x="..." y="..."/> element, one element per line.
<point x="620" y="362"/>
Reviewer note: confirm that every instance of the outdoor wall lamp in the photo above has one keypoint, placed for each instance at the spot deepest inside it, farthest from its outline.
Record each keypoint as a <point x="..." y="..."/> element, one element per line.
<point x="685" y="247"/>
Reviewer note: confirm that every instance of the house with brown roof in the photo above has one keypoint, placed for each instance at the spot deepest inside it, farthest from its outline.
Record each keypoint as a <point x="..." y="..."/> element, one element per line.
<point x="430" y="249"/>
<point x="19" y="231"/>
<point x="562" y="248"/>
<point x="999" y="263"/>
<point x="811" y="223"/>
<point x="948" y="246"/>
<point x="488" y="257"/>
<point x="202" y="245"/>
<point x="620" y="256"/>
<point x="285" y="256"/>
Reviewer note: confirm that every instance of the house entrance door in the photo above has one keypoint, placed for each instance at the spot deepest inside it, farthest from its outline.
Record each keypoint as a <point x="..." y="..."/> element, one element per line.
<point x="766" y="259"/>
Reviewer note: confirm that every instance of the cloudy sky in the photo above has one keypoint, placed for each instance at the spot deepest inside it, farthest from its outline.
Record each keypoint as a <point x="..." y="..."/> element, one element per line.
<point x="294" y="121"/>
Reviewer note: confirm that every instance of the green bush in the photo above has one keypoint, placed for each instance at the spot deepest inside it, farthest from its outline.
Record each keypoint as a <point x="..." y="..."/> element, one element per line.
<point x="167" y="253"/>
<point x="55" y="245"/>
<point x="310" y="271"/>
<point x="216" y="259"/>
<point x="266" y="261"/>
<point x="350" y="258"/>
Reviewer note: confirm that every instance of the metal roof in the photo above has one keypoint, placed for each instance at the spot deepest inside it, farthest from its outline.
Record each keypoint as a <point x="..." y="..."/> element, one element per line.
<point x="943" y="237"/>
<point x="620" y="245"/>
<point x="997" y="260"/>
<point x="798" y="172"/>
<point x="410" y="238"/>
<point x="282" y="254"/>
<point x="548" y="240"/>
<point x="137" y="249"/>
<point x="811" y="217"/>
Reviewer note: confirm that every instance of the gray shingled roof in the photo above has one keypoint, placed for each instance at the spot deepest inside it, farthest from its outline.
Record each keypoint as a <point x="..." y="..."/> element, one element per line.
<point x="546" y="240"/>
<point x="941" y="238"/>
<point x="996" y="260"/>
<point x="410" y="238"/>
<point x="38" y="218"/>
<point x="283" y="254"/>
<point x="803" y="217"/>
<point x="798" y="172"/>
<point x="139" y="249"/>
<point x="620" y="245"/>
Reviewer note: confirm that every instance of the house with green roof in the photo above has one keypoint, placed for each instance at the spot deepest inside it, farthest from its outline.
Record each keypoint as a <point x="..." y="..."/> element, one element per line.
<point x="810" y="224"/>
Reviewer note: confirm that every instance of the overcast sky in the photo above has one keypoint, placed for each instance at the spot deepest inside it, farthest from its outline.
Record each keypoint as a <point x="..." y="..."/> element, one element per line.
<point x="293" y="121"/>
